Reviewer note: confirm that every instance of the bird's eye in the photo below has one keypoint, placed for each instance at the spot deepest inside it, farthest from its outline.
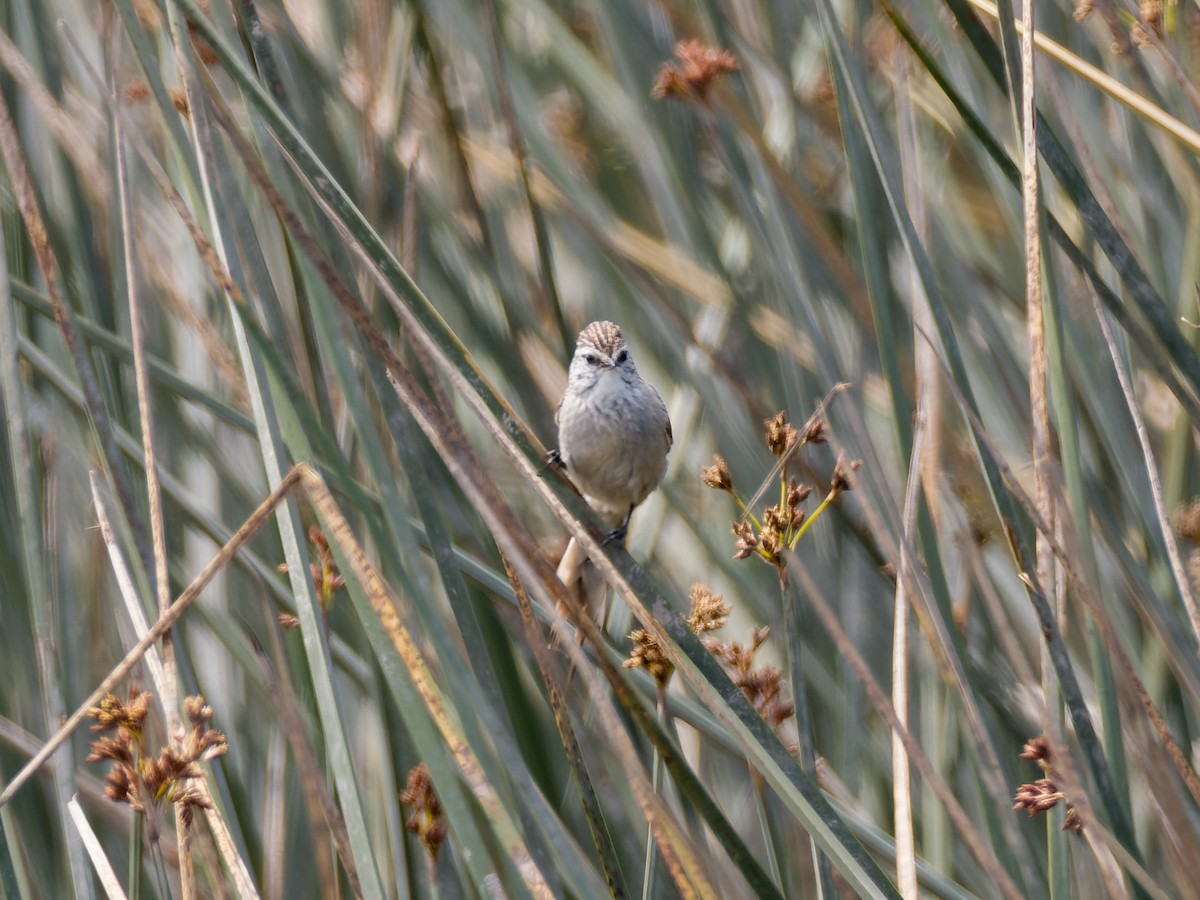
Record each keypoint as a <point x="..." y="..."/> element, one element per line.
<point x="591" y="358"/>
<point x="622" y="356"/>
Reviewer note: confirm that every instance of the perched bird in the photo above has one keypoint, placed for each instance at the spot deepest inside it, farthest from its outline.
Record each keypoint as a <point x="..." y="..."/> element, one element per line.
<point x="613" y="437"/>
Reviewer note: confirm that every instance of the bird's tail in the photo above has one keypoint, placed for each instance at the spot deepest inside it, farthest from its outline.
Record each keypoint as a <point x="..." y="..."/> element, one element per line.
<point x="584" y="583"/>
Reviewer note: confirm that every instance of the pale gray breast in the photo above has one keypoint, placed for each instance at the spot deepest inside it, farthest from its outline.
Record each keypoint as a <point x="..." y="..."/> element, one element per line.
<point x="615" y="441"/>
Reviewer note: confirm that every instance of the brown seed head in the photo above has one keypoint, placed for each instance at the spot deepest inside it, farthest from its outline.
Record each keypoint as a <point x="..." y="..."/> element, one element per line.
<point x="841" y="475"/>
<point x="709" y="612"/>
<point x="154" y="774"/>
<point x="648" y="654"/>
<point x="669" y="82"/>
<point x="698" y="69"/>
<point x="769" y="543"/>
<point x="780" y="433"/>
<point x="121" y="787"/>
<point x="141" y="780"/>
<point x="113" y="712"/>
<point x="425" y="820"/>
<point x="326" y="579"/>
<point x="177" y="765"/>
<point x="202" y="742"/>
<point x="762" y="685"/>
<point x="197" y="711"/>
<point x="1037" y="797"/>
<point x="797" y="493"/>
<point x="1073" y="821"/>
<point x="1038" y="750"/>
<point x="815" y="433"/>
<point x="774" y="524"/>
<point x="717" y="475"/>
<point x="189" y="798"/>
<point x="119" y="749"/>
<point x="747" y="543"/>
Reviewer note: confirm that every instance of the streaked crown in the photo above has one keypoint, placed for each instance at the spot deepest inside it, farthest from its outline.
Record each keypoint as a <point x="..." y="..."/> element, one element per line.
<point x="603" y="336"/>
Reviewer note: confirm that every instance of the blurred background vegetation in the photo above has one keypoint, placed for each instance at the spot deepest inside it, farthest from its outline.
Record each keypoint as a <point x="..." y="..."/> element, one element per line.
<point x="362" y="236"/>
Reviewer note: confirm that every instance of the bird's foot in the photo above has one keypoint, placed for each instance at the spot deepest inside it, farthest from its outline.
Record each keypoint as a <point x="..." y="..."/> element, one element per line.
<point x="616" y="536"/>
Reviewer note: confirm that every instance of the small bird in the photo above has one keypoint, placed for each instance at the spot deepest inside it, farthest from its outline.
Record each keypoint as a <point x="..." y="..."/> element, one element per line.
<point x="613" y="437"/>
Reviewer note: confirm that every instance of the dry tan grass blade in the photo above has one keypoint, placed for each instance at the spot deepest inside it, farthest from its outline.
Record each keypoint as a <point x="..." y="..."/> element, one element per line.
<point x="1135" y="101"/>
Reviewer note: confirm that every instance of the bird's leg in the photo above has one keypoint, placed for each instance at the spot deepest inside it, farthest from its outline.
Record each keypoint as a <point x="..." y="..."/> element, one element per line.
<point x="618" y="534"/>
<point x="555" y="461"/>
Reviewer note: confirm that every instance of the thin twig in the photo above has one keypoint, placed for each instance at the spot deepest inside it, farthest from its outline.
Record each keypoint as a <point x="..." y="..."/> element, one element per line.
<point x="906" y="857"/>
<point x="923" y="470"/>
<point x="137" y="340"/>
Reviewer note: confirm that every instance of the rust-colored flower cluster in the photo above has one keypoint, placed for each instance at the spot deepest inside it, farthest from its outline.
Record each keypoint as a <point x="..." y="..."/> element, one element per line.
<point x="708" y="613"/>
<point x="842" y="473"/>
<point x="326" y="578"/>
<point x="648" y="654"/>
<point x="762" y="685"/>
<point x="1043" y="794"/>
<point x="145" y="781"/>
<point x="425" y="819"/>
<point x="782" y="524"/>
<point x="692" y="78"/>
<point x="1037" y="797"/>
<point x="717" y="475"/>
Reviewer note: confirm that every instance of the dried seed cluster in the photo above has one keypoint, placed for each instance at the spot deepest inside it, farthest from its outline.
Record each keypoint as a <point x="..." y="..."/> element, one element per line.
<point x="708" y="613"/>
<point x="762" y="685"/>
<point x="782" y="524"/>
<point x="780" y="528"/>
<point x="326" y="578"/>
<point x="425" y="818"/>
<point x="147" y="781"/>
<point x="1043" y="794"/>
<point x="693" y="76"/>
